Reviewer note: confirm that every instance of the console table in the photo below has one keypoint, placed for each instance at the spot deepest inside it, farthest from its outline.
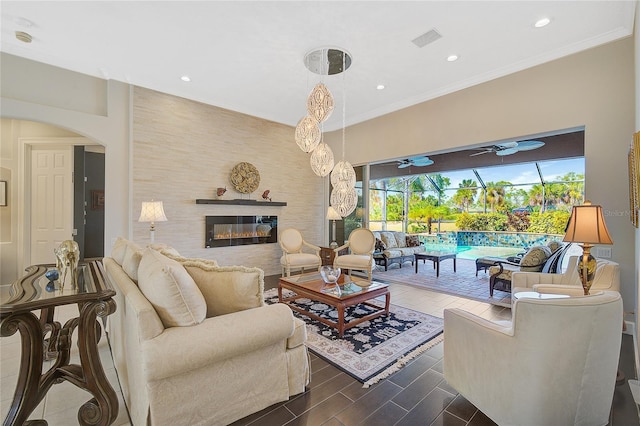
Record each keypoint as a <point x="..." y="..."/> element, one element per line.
<point x="33" y="292"/>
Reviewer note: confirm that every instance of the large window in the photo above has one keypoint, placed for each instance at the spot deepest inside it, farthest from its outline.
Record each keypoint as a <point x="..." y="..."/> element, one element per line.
<point x="426" y="202"/>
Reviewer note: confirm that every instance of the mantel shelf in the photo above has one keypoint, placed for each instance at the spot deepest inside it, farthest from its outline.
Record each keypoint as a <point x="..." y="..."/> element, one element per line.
<point x="241" y="202"/>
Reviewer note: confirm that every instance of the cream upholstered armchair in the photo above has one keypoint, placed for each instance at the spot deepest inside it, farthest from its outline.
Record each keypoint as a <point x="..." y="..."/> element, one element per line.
<point x="293" y="256"/>
<point x="607" y="277"/>
<point x="555" y="363"/>
<point x="361" y="245"/>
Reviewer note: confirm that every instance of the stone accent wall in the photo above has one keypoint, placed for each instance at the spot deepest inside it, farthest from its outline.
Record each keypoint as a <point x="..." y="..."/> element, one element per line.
<point x="183" y="150"/>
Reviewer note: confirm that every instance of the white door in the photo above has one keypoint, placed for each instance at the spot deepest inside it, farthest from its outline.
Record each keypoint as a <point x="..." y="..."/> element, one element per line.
<point x="51" y="201"/>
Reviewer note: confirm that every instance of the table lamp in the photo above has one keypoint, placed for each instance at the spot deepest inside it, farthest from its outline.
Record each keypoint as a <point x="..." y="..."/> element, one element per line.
<point x="152" y="211"/>
<point x="333" y="215"/>
<point x="587" y="227"/>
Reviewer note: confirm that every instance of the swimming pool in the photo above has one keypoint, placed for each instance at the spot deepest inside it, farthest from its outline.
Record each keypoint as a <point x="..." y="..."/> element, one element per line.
<point x="474" y="252"/>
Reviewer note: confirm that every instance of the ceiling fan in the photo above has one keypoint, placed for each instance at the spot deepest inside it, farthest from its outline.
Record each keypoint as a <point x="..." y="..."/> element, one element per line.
<point x="418" y="161"/>
<point x="509" y="148"/>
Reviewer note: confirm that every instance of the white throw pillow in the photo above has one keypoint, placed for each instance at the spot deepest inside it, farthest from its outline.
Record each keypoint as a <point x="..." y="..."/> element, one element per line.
<point x="131" y="262"/>
<point x="171" y="290"/>
<point x="227" y="289"/>
<point x="165" y="249"/>
<point x="119" y="247"/>
<point x="176" y="256"/>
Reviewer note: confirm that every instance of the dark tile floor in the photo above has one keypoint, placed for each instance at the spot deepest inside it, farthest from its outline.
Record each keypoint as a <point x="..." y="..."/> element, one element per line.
<point x="415" y="395"/>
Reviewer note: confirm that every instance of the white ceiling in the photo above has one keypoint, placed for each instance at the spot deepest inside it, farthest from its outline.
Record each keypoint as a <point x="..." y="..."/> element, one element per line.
<point x="248" y="56"/>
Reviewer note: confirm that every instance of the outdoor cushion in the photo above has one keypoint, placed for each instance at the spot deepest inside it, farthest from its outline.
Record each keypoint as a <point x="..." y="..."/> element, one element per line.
<point x="554" y="245"/>
<point x="389" y="239"/>
<point x="401" y="239"/>
<point x="390" y="254"/>
<point x="534" y="259"/>
<point x="413" y="241"/>
<point x="380" y="246"/>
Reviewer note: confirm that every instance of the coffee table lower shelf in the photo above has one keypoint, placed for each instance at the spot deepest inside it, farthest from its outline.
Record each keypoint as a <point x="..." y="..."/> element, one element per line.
<point x="339" y="303"/>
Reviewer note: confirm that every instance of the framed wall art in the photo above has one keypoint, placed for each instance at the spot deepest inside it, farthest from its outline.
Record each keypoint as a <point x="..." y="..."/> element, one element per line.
<point x="97" y="200"/>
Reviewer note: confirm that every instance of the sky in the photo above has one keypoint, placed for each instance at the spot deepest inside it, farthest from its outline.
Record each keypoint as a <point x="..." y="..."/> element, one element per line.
<point x="520" y="173"/>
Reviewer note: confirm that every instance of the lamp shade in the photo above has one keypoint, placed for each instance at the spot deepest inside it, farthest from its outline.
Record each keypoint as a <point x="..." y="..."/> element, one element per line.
<point x="152" y="211"/>
<point x="587" y="225"/>
<point x="332" y="214"/>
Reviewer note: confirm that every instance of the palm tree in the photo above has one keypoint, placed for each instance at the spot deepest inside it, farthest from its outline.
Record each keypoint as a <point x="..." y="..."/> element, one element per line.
<point x="495" y="194"/>
<point x="464" y="196"/>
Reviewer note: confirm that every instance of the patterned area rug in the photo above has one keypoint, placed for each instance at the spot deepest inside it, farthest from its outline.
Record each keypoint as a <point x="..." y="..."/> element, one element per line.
<point x="373" y="349"/>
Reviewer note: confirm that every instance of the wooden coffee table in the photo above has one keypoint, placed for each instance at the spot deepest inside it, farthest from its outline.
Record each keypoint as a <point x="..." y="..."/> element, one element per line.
<point x="311" y="286"/>
<point x="436" y="257"/>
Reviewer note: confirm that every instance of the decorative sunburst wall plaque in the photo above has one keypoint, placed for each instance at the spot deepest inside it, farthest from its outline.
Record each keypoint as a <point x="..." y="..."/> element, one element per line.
<point x="245" y="178"/>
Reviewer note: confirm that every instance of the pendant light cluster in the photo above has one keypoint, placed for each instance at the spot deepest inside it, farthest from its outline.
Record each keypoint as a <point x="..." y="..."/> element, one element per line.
<point x="308" y="134"/>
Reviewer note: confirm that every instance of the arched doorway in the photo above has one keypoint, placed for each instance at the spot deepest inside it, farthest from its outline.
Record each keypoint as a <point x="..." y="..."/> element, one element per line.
<point x="51" y="176"/>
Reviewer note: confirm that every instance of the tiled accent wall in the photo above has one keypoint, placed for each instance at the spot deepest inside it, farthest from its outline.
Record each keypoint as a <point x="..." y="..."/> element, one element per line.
<point x="184" y="150"/>
<point x="489" y="238"/>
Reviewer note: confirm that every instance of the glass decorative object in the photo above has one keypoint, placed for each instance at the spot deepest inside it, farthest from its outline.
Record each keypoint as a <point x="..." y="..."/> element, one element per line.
<point x="344" y="198"/>
<point x="322" y="160"/>
<point x="343" y="172"/>
<point x="330" y="277"/>
<point x="320" y="103"/>
<point x="307" y="134"/>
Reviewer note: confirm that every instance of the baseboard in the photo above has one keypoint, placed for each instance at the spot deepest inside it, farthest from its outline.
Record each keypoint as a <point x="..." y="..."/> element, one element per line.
<point x="630" y="328"/>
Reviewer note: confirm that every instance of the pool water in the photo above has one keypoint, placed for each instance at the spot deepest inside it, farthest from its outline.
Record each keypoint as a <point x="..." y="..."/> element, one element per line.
<point x="474" y="252"/>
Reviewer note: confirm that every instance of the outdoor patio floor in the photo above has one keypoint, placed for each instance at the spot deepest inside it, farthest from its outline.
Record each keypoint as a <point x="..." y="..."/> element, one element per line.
<point x="463" y="282"/>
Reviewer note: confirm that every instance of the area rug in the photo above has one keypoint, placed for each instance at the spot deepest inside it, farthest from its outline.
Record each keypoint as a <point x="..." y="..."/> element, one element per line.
<point x="373" y="349"/>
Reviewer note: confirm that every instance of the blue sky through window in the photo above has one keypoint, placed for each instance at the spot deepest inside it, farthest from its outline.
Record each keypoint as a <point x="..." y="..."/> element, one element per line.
<point x="519" y="174"/>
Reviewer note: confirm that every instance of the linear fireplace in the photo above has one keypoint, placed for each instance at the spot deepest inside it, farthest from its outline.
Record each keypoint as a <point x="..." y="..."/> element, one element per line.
<point x="225" y="231"/>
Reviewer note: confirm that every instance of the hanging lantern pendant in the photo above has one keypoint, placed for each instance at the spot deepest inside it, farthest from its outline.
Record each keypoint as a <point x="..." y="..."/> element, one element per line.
<point x="320" y="103"/>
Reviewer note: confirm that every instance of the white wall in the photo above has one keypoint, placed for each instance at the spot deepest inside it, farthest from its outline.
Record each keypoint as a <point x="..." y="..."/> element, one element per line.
<point x="101" y="115"/>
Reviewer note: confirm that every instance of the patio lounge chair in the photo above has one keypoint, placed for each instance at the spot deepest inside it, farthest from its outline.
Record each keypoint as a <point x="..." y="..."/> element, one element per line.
<point x="537" y="259"/>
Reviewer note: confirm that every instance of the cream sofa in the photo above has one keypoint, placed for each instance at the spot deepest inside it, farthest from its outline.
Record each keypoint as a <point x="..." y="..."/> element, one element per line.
<point x="194" y="344"/>
<point x="394" y="248"/>
<point x="607" y="277"/>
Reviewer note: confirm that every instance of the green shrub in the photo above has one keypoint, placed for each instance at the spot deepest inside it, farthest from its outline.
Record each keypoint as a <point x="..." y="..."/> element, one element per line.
<point x="482" y="222"/>
<point x="549" y="222"/>
<point x="518" y="221"/>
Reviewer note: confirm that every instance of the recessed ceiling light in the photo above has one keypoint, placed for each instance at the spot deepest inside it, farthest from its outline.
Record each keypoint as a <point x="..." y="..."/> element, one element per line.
<point x="380" y="86"/>
<point x="452" y="58"/>
<point x="185" y="78"/>
<point x="542" y="22"/>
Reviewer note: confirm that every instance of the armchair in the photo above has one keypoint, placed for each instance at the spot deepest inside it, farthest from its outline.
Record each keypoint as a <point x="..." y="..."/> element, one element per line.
<point x="361" y="243"/>
<point x="563" y="374"/>
<point x="292" y="243"/>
